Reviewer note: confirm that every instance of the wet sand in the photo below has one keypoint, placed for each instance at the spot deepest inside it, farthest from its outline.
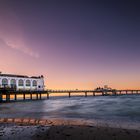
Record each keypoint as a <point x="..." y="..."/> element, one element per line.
<point x="62" y="130"/>
<point x="87" y="133"/>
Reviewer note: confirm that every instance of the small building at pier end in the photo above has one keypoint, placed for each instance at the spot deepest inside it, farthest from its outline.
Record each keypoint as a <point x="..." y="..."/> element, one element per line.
<point x="22" y="82"/>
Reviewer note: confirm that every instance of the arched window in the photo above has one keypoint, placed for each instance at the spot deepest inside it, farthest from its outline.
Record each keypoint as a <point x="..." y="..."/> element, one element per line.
<point x="34" y="83"/>
<point x="13" y="82"/>
<point x="4" y="82"/>
<point x="28" y="83"/>
<point x="20" y="82"/>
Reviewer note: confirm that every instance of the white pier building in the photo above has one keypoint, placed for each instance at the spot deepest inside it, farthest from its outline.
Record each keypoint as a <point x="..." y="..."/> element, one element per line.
<point x="22" y="82"/>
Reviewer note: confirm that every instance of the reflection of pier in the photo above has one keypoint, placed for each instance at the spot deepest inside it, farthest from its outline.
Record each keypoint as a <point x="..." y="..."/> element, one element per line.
<point x="38" y="94"/>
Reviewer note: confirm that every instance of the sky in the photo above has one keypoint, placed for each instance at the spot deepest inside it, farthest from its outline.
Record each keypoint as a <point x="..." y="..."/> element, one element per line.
<point x="75" y="44"/>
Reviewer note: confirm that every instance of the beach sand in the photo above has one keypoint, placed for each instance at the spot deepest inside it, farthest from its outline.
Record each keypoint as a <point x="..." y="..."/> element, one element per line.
<point x="62" y="130"/>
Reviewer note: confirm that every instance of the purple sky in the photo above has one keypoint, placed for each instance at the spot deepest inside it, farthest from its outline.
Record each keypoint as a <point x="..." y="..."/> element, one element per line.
<point x="73" y="43"/>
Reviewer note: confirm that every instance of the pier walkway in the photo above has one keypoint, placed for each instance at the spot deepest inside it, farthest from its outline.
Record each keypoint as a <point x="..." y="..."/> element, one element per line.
<point x="5" y="94"/>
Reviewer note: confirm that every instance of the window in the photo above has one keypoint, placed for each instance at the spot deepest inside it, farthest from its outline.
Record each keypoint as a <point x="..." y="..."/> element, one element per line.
<point x="13" y="82"/>
<point x="20" y="82"/>
<point x="4" y="82"/>
<point x="34" y="83"/>
<point x="28" y="83"/>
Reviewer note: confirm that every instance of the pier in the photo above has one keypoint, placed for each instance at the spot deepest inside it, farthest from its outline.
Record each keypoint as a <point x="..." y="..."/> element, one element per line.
<point x="46" y="93"/>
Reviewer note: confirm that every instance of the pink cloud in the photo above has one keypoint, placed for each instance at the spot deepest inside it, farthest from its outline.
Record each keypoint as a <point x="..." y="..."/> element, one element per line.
<point x="18" y="47"/>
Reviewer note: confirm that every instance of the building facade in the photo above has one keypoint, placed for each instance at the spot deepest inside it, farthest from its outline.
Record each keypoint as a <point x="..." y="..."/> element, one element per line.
<point x="21" y="82"/>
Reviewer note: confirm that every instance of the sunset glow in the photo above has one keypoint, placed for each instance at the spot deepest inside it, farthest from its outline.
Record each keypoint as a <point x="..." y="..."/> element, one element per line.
<point x="73" y="48"/>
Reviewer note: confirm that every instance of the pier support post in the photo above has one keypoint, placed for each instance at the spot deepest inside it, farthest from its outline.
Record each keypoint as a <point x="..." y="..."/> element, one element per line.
<point x="93" y="93"/>
<point x="7" y="97"/>
<point x="15" y="96"/>
<point x="37" y="96"/>
<point x="40" y="96"/>
<point x="31" y="96"/>
<point x="132" y="91"/>
<point x="137" y="92"/>
<point x="24" y="96"/>
<point x="85" y="94"/>
<point x="126" y="92"/>
<point x="1" y="99"/>
<point x="47" y="95"/>
<point x="115" y="92"/>
<point x="102" y="93"/>
<point x="69" y="95"/>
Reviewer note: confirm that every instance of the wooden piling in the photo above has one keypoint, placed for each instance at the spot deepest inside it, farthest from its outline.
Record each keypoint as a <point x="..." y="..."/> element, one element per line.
<point x="47" y="95"/>
<point x="102" y="93"/>
<point x="114" y="93"/>
<point x="85" y="94"/>
<point x="31" y="96"/>
<point x="37" y="96"/>
<point x="15" y="96"/>
<point x="69" y="94"/>
<point x="1" y="98"/>
<point x="7" y="97"/>
<point x="40" y="96"/>
<point x="24" y="96"/>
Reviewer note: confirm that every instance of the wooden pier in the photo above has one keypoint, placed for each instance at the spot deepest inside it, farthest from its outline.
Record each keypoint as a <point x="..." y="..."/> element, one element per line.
<point x="38" y="94"/>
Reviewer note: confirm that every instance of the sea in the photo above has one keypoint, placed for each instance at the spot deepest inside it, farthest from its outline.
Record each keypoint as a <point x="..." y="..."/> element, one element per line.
<point x="116" y="111"/>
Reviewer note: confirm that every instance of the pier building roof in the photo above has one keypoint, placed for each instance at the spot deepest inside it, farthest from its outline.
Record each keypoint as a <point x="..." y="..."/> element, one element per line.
<point x="20" y="76"/>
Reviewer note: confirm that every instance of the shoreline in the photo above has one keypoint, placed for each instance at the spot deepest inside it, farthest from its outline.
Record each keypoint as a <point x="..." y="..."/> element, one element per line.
<point x="64" y="121"/>
<point x="44" y="122"/>
<point x="56" y="129"/>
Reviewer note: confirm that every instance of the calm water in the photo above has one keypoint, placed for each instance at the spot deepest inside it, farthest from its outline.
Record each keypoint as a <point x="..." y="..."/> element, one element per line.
<point x="109" y="109"/>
